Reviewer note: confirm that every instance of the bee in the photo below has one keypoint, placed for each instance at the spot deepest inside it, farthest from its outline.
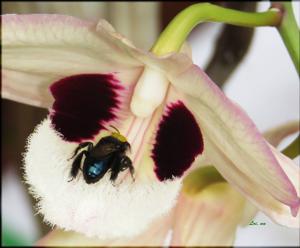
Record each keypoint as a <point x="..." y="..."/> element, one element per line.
<point x="109" y="154"/>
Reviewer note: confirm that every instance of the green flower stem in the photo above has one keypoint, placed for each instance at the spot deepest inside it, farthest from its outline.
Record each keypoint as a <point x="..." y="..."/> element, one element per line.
<point x="288" y="29"/>
<point x="174" y="35"/>
<point x="293" y="150"/>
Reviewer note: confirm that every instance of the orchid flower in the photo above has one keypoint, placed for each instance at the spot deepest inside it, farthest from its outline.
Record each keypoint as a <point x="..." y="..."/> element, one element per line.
<point x="168" y="109"/>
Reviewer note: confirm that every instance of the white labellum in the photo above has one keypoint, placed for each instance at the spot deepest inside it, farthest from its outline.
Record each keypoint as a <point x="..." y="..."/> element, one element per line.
<point x="99" y="209"/>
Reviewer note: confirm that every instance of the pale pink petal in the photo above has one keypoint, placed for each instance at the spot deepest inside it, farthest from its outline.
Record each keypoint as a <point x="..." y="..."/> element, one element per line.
<point x="58" y="237"/>
<point x="209" y="217"/>
<point x="293" y="172"/>
<point x="233" y="143"/>
<point x="154" y="235"/>
<point x="25" y="87"/>
<point x="275" y="136"/>
<point x="40" y="49"/>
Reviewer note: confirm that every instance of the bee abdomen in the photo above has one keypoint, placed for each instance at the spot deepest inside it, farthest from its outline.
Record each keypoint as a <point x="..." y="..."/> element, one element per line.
<point x="95" y="169"/>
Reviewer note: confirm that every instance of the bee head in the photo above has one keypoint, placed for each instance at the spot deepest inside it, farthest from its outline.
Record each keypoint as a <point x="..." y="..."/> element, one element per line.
<point x="119" y="136"/>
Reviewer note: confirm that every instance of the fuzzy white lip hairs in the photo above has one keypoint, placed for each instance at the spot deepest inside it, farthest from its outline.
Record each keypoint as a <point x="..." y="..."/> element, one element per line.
<point x="100" y="209"/>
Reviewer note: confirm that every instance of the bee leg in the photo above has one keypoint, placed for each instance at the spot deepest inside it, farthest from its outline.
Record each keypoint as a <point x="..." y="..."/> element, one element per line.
<point x="113" y="180"/>
<point x="127" y="163"/>
<point x="90" y="145"/>
<point x="115" y="169"/>
<point x="131" y="169"/>
<point x="76" y="165"/>
<point x="129" y="147"/>
<point x="114" y="175"/>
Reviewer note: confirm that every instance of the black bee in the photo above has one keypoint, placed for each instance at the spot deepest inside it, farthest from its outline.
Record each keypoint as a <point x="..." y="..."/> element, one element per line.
<point x="108" y="154"/>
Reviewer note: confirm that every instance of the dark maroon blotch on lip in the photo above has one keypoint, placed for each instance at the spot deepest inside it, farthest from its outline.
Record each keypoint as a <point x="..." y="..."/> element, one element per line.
<point x="178" y="141"/>
<point x="83" y="103"/>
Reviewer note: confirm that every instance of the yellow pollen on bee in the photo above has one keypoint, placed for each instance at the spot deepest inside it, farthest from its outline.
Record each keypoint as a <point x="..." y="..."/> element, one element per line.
<point x="119" y="136"/>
